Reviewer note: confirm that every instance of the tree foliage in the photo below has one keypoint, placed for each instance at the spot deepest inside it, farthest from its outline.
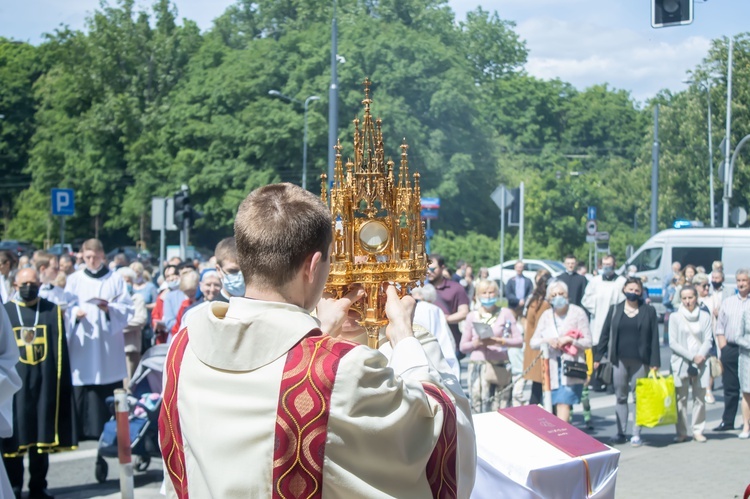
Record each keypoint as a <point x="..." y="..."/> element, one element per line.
<point x="140" y="103"/>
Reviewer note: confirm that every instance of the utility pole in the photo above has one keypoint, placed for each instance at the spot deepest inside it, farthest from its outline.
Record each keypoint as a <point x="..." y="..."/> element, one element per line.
<point x="727" y="139"/>
<point x="521" y="209"/>
<point x="333" y="99"/>
<point x="655" y="173"/>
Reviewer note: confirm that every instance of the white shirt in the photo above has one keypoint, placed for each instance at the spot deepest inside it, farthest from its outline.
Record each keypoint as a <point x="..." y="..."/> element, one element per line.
<point x="95" y="342"/>
<point x="431" y="318"/>
<point x="599" y="296"/>
<point x="53" y="293"/>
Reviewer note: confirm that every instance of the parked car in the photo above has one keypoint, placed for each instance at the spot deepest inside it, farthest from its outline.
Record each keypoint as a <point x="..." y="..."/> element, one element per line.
<point x="59" y="249"/>
<point x="19" y="247"/>
<point x="132" y="253"/>
<point x="530" y="268"/>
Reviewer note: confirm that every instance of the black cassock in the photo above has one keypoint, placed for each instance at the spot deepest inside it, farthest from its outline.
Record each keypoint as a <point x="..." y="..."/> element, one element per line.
<point x="43" y="414"/>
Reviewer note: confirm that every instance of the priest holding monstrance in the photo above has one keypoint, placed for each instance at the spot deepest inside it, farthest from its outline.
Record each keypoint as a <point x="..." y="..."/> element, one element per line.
<point x="261" y="399"/>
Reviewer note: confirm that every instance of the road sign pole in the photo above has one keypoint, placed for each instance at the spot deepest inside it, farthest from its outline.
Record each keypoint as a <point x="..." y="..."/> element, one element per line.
<point x="521" y="208"/>
<point x="427" y="240"/>
<point x="502" y="241"/>
<point x="62" y="231"/>
<point x="163" y="237"/>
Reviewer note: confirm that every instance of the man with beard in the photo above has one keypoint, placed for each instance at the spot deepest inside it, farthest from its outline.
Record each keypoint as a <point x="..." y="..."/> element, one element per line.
<point x="451" y="298"/>
<point x="43" y="411"/>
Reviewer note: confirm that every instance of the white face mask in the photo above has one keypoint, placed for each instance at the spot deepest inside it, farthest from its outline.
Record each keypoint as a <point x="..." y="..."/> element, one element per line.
<point x="173" y="284"/>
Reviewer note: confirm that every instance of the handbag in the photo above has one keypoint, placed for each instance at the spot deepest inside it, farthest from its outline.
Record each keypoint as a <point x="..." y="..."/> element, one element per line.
<point x="573" y="369"/>
<point x="655" y="403"/>
<point x="604" y="373"/>
<point x="714" y="365"/>
<point x="497" y="374"/>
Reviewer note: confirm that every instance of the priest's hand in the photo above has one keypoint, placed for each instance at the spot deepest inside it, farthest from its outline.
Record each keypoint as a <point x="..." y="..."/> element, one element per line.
<point x="332" y="312"/>
<point x="103" y="307"/>
<point x="699" y="359"/>
<point x="400" y="313"/>
<point x="81" y="313"/>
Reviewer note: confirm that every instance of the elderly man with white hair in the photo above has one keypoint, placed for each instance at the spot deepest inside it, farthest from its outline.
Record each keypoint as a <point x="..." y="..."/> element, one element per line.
<point x="430" y="317"/>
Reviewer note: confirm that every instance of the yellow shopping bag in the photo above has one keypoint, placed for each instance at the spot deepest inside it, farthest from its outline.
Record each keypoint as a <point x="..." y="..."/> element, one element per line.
<point x="655" y="403"/>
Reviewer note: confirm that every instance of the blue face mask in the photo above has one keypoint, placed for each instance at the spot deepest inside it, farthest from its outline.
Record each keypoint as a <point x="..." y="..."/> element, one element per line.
<point x="488" y="302"/>
<point x="130" y="288"/>
<point x="234" y="284"/>
<point x="559" y="302"/>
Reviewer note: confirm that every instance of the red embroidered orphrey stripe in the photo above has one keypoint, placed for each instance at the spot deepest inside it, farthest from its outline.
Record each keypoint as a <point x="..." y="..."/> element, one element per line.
<point x="441" y="467"/>
<point x="302" y="415"/>
<point x="170" y="432"/>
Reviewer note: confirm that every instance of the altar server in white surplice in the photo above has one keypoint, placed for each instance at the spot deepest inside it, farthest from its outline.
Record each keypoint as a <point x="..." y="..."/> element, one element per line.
<point x="263" y="400"/>
<point x="99" y="308"/>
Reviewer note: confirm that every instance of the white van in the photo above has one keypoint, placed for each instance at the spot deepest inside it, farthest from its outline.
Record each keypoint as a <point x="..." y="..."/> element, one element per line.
<point x="690" y="246"/>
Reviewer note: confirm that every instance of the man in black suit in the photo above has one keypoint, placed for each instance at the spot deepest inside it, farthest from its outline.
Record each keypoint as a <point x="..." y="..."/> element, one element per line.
<point x="576" y="283"/>
<point x="519" y="288"/>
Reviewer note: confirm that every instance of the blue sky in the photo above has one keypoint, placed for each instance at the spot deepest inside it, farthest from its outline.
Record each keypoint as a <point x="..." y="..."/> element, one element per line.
<point x="583" y="42"/>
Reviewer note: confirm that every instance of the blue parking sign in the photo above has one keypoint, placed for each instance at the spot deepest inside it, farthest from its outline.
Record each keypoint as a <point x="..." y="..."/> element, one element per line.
<point x="63" y="202"/>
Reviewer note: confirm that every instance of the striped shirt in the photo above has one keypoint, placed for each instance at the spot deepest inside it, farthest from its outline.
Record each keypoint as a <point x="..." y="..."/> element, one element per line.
<point x="730" y="317"/>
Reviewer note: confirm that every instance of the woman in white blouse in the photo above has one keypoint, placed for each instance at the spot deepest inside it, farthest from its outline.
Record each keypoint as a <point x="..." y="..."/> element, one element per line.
<point x="690" y="340"/>
<point x="565" y="327"/>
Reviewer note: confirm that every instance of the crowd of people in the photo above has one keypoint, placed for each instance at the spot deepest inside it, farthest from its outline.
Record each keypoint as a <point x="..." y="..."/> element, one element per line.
<point x="79" y="326"/>
<point x="605" y="327"/>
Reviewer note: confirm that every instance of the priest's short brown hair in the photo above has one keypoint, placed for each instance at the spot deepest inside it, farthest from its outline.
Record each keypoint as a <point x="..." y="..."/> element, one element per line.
<point x="92" y="245"/>
<point x="276" y="228"/>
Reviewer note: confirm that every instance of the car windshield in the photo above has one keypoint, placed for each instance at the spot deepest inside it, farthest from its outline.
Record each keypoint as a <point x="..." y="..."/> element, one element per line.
<point x="556" y="266"/>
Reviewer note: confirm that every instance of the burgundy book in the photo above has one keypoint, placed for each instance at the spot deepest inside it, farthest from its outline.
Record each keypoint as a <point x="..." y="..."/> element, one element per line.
<point x="554" y="430"/>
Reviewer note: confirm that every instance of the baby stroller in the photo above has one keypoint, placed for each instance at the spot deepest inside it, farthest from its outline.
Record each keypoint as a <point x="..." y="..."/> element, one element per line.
<point x="144" y="402"/>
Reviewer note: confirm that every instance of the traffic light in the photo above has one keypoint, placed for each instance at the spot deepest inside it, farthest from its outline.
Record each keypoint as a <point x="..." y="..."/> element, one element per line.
<point x="514" y="210"/>
<point x="181" y="208"/>
<point x="665" y="13"/>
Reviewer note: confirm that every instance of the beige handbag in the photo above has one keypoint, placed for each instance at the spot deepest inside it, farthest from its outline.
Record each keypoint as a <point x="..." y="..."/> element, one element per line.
<point x="497" y="374"/>
<point x="714" y="365"/>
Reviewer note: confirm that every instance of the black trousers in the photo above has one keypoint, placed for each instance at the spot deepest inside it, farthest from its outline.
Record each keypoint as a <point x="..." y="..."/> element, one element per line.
<point x="38" y="466"/>
<point x="91" y="410"/>
<point x="536" y="393"/>
<point x="730" y="356"/>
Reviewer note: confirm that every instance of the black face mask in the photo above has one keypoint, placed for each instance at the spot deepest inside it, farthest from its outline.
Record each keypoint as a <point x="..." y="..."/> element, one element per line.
<point x="29" y="291"/>
<point x="716" y="285"/>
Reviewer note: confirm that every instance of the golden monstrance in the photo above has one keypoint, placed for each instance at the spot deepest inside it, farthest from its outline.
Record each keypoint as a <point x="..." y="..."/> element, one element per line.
<point x="378" y="235"/>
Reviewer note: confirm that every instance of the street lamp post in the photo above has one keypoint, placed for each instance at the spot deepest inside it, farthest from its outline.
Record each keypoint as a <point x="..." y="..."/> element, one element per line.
<point x="276" y="93"/>
<point x="707" y="87"/>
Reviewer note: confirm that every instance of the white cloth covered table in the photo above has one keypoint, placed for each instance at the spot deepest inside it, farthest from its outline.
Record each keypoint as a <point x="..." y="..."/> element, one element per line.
<point x="512" y="462"/>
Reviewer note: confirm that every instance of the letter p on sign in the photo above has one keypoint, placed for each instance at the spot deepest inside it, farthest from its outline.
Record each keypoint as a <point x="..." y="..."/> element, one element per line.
<point x="63" y="202"/>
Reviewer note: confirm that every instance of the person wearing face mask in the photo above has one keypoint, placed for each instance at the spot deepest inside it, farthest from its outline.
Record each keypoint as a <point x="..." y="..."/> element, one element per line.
<point x="489" y="365"/>
<point x="43" y="419"/>
<point x="171" y="282"/>
<point x="232" y="280"/>
<point x="175" y="297"/>
<point x="630" y="341"/>
<point x="690" y="338"/>
<point x="99" y="308"/>
<point x="565" y="328"/>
